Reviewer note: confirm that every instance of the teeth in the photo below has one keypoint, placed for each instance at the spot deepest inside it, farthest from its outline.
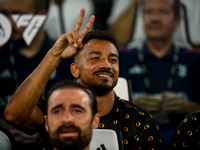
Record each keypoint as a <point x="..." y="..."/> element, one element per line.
<point x="102" y="75"/>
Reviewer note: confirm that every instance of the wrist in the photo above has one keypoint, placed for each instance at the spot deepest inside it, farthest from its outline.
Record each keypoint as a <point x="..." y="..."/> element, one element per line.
<point x="54" y="57"/>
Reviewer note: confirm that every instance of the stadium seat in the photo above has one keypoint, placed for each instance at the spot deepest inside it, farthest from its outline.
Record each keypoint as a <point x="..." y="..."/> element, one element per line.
<point x="123" y="89"/>
<point x="7" y="140"/>
<point x="105" y="139"/>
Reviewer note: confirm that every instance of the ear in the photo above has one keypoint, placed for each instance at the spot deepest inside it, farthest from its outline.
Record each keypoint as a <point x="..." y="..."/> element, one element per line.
<point x="95" y="121"/>
<point x="46" y="126"/>
<point x="74" y="70"/>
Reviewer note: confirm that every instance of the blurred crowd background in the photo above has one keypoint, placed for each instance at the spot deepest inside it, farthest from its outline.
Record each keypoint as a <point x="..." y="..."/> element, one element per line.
<point x="124" y="18"/>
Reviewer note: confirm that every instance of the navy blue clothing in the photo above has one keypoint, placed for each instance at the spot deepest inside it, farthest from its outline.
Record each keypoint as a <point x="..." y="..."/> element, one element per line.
<point x="186" y="78"/>
<point x="24" y="67"/>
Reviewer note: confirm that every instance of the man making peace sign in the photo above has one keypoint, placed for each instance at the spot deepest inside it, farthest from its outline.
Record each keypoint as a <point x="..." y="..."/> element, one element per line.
<point x="96" y="65"/>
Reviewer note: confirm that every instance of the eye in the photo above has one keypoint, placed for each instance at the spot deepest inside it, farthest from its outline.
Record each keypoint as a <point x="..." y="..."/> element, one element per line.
<point x="94" y="58"/>
<point x="113" y="60"/>
<point x="164" y="12"/>
<point x="148" y="11"/>
<point x="78" y="110"/>
<point x="58" y="111"/>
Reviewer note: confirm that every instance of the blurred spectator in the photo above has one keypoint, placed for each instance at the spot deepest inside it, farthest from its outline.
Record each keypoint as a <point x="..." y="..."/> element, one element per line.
<point x="18" y="60"/>
<point x="165" y="77"/>
<point x="126" y="19"/>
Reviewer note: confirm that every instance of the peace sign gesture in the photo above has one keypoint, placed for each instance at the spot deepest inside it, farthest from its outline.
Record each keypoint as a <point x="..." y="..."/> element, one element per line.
<point x="29" y="92"/>
<point x="69" y="43"/>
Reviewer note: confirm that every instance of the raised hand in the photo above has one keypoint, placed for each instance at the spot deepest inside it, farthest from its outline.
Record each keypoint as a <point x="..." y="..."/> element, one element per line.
<point x="22" y="110"/>
<point x="69" y="43"/>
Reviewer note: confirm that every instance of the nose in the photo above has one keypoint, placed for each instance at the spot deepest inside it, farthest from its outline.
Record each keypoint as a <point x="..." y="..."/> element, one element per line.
<point x="155" y="16"/>
<point x="105" y="64"/>
<point x="67" y="117"/>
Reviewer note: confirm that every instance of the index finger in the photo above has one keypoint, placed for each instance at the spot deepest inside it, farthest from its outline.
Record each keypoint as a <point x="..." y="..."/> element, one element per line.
<point x="80" y="20"/>
<point x="87" y="26"/>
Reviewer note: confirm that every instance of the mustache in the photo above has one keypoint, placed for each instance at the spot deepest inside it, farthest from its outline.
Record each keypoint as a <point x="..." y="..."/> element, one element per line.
<point x="68" y="126"/>
<point x="103" y="70"/>
<point x="155" y="22"/>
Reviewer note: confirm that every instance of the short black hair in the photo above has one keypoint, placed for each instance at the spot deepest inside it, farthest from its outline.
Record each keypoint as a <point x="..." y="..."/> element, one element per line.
<point x="73" y="85"/>
<point x="175" y="8"/>
<point x="98" y="34"/>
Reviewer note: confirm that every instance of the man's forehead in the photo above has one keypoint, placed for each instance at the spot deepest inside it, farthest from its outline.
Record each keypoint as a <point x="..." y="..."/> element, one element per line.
<point x="99" y="46"/>
<point x="91" y="42"/>
<point x="69" y="97"/>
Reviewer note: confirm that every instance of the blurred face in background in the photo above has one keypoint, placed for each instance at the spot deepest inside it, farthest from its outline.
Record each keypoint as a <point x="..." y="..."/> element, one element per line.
<point x="159" y="19"/>
<point x="18" y="7"/>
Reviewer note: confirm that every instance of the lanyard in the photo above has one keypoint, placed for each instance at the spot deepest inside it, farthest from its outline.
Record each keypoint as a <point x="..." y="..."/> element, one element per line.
<point x="13" y="65"/>
<point x="146" y="79"/>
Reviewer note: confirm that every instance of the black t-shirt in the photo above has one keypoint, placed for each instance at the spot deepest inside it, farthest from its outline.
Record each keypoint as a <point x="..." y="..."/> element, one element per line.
<point x="137" y="127"/>
<point x="187" y="134"/>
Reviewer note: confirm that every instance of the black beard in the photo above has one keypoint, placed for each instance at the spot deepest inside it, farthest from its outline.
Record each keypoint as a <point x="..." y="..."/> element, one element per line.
<point x="73" y="145"/>
<point x="102" y="89"/>
<point x="70" y="143"/>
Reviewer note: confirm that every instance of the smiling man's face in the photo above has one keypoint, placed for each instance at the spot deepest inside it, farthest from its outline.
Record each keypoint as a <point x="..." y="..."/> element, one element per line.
<point x="98" y="65"/>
